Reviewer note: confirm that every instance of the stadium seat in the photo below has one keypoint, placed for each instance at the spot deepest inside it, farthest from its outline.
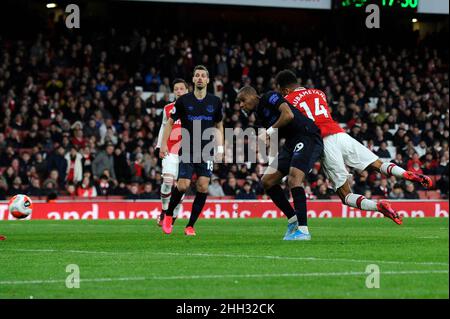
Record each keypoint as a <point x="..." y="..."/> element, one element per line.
<point x="434" y="194"/>
<point x="25" y="150"/>
<point x="240" y="182"/>
<point x="45" y="122"/>
<point x="422" y="194"/>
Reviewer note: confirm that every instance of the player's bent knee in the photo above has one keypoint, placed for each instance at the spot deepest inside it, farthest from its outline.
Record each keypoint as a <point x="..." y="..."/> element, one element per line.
<point x="295" y="179"/>
<point x="202" y="188"/>
<point x="167" y="184"/>
<point x="183" y="185"/>
<point x="267" y="182"/>
<point x="168" y="179"/>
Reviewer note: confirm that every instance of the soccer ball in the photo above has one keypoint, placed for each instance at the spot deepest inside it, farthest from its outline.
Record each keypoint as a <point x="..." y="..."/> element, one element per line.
<point x="20" y="206"/>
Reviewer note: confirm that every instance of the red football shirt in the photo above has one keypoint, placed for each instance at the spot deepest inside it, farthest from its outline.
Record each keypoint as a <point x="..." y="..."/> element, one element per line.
<point x="313" y="104"/>
<point x="174" y="141"/>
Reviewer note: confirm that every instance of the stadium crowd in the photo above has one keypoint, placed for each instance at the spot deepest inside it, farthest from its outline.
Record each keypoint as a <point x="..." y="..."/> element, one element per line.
<point x="73" y="123"/>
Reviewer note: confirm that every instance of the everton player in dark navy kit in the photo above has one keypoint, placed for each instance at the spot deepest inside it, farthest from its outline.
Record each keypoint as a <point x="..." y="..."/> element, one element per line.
<point x="200" y="114"/>
<point x="302" y="148"/>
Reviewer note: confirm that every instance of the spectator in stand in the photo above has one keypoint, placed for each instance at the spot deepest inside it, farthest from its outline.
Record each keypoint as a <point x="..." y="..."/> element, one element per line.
<point x="148" y="192"/>
<point x="414" y="163"/>
<point x="443" y="165"/>
<point x="78" y="139"/>
<point x="429" y="164"/>
<point x="368" y="194"/>
<point x="246" y="192"/>
<point x="35" y="188"/>
<point x="253" y="179"/>
<point x="215" y="188"/>
<point x="74" y="166"/>
<point x="87" y="159"/>
<point x="104" y="160"/>
<point x="41" y="165"/>
<point x="9" y="175"/>
<point x="231" y="188"/>
<point x="443" y="183"/>
<point x="309" y="193"/>
<point x="323" y="192"/>
<point x="410" y="191"/>
<point x="383" y="189"/>
<point x="3" y="188"/>
<point x="86" y="189"/>
<point x="361" y="183"/>
<point x="50" y="187"/>
<point x="121" y="166"/>
<point x="53" y="178"/>
<point x="397" y="192"/>
<point x="134" y="192"/>
<point x="56" y="161"/>
<point x="7" y="156"/>
<point x="383" y="152"/>
<point x="137" y="168"/>
<point x="16" y="187"/>
<point x="71" y="190"/>
<point x="121" y="189"/>
<point x="421" y="149"/>
<point x="103" y="186"/>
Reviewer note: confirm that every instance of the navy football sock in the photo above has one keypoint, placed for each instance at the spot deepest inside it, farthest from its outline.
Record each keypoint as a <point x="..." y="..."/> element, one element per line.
<point x="174" y="201"/>
<point x="277" y="196"/>
<point x="299" y="196"/>
<point x="197" y="207"/>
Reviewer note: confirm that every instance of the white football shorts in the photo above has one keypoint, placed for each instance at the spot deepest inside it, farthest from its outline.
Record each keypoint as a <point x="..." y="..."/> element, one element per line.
<point x="170" y="165"/>
<point x="340" y="150"/>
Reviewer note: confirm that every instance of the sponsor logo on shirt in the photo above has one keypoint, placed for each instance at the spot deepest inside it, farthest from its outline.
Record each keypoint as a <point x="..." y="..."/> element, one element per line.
<point x="199" y="118"/>
<point x="274" y="98"/>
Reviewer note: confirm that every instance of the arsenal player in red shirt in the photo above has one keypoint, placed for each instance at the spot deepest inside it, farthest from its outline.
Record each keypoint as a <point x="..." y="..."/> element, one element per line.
<point x="171" y="161"/>
<point x="340" y="149"/>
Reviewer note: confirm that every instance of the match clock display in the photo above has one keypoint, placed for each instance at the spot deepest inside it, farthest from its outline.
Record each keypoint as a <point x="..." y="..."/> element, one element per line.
<point x="404" y="5"/>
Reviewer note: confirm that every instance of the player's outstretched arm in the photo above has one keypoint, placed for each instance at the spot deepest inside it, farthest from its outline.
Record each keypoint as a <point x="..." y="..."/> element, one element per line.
<point x="161" y="130"/>
<point x="167" y="129"/>
<point x="286" y="116"/>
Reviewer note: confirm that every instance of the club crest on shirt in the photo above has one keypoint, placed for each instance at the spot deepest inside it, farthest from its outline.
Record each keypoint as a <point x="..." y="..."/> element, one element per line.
<point x="266" y="112"/>
<point x="190" y="108"/>
<point x="210" y="108"/>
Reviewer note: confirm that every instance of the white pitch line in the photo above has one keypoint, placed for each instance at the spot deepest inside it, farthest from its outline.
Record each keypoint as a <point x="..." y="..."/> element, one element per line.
<point x="305" y="258"/>
<point x="311" y="274"/>
<point x="392" y="262"/>
<point x="66" y="251"/>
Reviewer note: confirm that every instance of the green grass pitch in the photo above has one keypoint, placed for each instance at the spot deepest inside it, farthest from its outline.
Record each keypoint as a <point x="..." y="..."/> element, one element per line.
<point x="243" y="258"/>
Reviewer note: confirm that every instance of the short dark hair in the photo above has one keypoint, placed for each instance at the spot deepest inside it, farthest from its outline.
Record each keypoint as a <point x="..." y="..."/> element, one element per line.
<point x="201" y="67"/>
<point x="286" y="78"/>
<point x="247" y="90"/>
<point x="178" y="80"/>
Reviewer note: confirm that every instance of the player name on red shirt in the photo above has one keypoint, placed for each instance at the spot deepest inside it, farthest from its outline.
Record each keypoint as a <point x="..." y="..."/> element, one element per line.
<point x="313" y="104"/>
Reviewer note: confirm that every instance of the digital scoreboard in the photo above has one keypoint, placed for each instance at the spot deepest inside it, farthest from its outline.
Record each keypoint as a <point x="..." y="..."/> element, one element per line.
<point x="401" y="5"/>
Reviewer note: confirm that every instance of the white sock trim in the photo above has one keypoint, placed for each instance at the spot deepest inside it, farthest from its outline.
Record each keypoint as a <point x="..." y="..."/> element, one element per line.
<point x="293" y="219"/>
